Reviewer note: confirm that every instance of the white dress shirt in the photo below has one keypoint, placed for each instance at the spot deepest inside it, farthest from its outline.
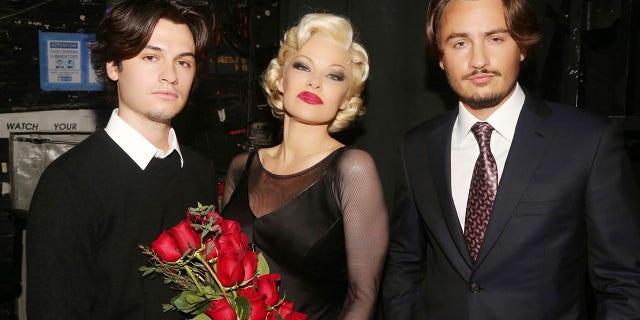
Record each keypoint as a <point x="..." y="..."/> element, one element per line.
<point x="465" y="149"/>
<point x="139" y="149"/>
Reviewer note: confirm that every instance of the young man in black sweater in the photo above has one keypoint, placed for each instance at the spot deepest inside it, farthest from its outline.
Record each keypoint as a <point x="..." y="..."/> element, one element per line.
<point x="125" y="184"/>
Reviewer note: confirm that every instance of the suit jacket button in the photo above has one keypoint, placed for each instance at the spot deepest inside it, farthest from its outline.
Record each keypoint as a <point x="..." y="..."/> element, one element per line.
<point x="474" y="287"/>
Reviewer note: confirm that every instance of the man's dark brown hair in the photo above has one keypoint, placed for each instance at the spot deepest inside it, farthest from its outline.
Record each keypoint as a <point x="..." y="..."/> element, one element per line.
<point x="521" y="23"/>
<point x="128" y="25"/>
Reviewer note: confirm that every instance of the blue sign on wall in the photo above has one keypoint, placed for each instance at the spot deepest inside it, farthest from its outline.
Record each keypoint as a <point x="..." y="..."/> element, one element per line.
<point x="64" y="62"/>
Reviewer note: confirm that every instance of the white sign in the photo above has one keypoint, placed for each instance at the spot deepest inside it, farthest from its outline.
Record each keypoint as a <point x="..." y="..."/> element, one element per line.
<point x="53" y="121"/>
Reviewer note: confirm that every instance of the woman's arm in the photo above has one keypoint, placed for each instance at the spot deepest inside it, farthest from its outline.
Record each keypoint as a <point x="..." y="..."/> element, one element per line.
<point x="366" y="231"/>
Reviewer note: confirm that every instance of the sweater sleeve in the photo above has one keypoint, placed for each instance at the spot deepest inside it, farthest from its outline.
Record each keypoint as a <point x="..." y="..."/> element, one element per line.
<point x="58" y="250"/>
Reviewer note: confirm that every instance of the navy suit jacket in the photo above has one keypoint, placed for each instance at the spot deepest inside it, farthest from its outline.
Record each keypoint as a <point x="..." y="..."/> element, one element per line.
<point x="563" y="241"/>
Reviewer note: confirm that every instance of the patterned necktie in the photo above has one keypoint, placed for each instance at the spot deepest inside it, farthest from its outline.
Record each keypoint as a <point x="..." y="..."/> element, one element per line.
<point x="484" y="184"/>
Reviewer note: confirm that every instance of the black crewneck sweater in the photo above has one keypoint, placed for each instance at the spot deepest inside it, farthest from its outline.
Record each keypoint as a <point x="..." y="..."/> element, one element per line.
<point x="92" y="208"/>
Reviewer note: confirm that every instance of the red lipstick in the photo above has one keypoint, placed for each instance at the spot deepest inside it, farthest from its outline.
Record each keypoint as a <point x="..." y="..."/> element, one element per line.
<point x="310" y="98"/>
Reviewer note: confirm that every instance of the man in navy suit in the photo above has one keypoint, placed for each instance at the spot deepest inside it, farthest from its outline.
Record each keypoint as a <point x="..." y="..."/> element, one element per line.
<point x="562" y="239"/>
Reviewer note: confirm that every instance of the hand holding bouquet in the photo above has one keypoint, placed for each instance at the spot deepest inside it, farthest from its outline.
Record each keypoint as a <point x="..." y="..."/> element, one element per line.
<point x="219" y="276"/>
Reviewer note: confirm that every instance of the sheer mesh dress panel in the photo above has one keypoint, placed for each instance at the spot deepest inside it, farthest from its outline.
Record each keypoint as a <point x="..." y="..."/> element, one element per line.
<point x="333" y="223"/>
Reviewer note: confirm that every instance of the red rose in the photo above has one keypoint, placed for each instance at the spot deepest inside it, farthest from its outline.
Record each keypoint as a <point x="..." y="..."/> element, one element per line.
<point x="230" y="269"/>
<point x="232" y="243"/>
<point x="285" y="309"/>
<point x="185" y="236"/>
<point x="272" y="315"/>
<point x="221" y="310"/>
<point x="220" y="188"/>
<point x="211" y="215"/>
<point x="166" y="248"/>
<point x="296" y="316"/>
<point x="230" y="226"/>
<point x="216" y="216"/>
<point x="258" y="307"/>
<point x="267" y="285"/>
<point x="250" y="264"/>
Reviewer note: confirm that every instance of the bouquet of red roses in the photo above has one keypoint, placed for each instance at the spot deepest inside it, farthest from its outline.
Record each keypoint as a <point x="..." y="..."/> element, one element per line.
<point x="219" y="276"/>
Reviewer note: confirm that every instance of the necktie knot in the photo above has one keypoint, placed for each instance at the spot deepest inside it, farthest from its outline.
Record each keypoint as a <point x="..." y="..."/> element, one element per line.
<point x="482" y="132"/>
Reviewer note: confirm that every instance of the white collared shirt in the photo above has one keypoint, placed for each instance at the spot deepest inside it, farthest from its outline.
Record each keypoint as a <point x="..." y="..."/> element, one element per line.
<point x="465" y="150"/>
<point x="139" y="149"/>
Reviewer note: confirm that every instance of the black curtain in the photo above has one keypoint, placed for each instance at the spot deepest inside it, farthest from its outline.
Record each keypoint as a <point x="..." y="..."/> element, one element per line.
<point x="406" y="88"/>
<point x="398" y="94"/>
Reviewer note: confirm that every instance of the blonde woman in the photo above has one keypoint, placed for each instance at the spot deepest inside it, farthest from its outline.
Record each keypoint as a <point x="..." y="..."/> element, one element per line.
<point x="312" y="205"/>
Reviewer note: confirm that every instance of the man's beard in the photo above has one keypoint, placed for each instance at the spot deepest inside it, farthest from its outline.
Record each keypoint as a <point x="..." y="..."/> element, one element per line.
<point x="476" y="101"/>
<point x="160" y="117"/>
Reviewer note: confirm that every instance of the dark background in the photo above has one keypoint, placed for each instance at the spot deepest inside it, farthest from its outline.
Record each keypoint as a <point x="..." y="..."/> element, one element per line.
<point x="586" y="59"/>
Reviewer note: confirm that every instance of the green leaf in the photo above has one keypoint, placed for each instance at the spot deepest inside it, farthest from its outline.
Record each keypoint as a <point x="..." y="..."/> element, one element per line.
<point x="211" y="293"/>
<point x="201" y="309"/>
<point x="167" y="307"/>
<point x="186" y="253"/>
<point x="187" y="301"/>
<point x="263" y="266"/>
<point x="242" y="307"/>
<point x="209" y="248"/>
<point x="147" y="271"/>
<point x="201" y="316"/>
<point x="194" y="298"/>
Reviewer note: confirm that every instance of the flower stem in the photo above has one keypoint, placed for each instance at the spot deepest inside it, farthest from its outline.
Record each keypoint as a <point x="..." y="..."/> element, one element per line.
<point x="193" y="277"/>
<point x="213" y="274"/>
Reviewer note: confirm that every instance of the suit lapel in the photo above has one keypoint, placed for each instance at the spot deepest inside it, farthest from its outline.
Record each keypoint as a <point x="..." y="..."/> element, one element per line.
<point x="530" y="141"/>
<point x="440" y="142"/>
<point x="438" y="213"/>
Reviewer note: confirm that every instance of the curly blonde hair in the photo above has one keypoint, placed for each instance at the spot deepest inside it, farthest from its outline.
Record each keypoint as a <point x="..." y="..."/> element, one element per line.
<point x="337" y="29"/>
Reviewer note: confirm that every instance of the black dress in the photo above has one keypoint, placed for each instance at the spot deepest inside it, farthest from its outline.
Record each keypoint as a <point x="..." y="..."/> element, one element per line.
<point x="299" y="224"/>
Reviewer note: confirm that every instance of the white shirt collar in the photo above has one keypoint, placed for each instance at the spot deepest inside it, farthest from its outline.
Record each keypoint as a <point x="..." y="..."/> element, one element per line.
<point x="503" y="120"/>
<point x="139" y="149"/>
